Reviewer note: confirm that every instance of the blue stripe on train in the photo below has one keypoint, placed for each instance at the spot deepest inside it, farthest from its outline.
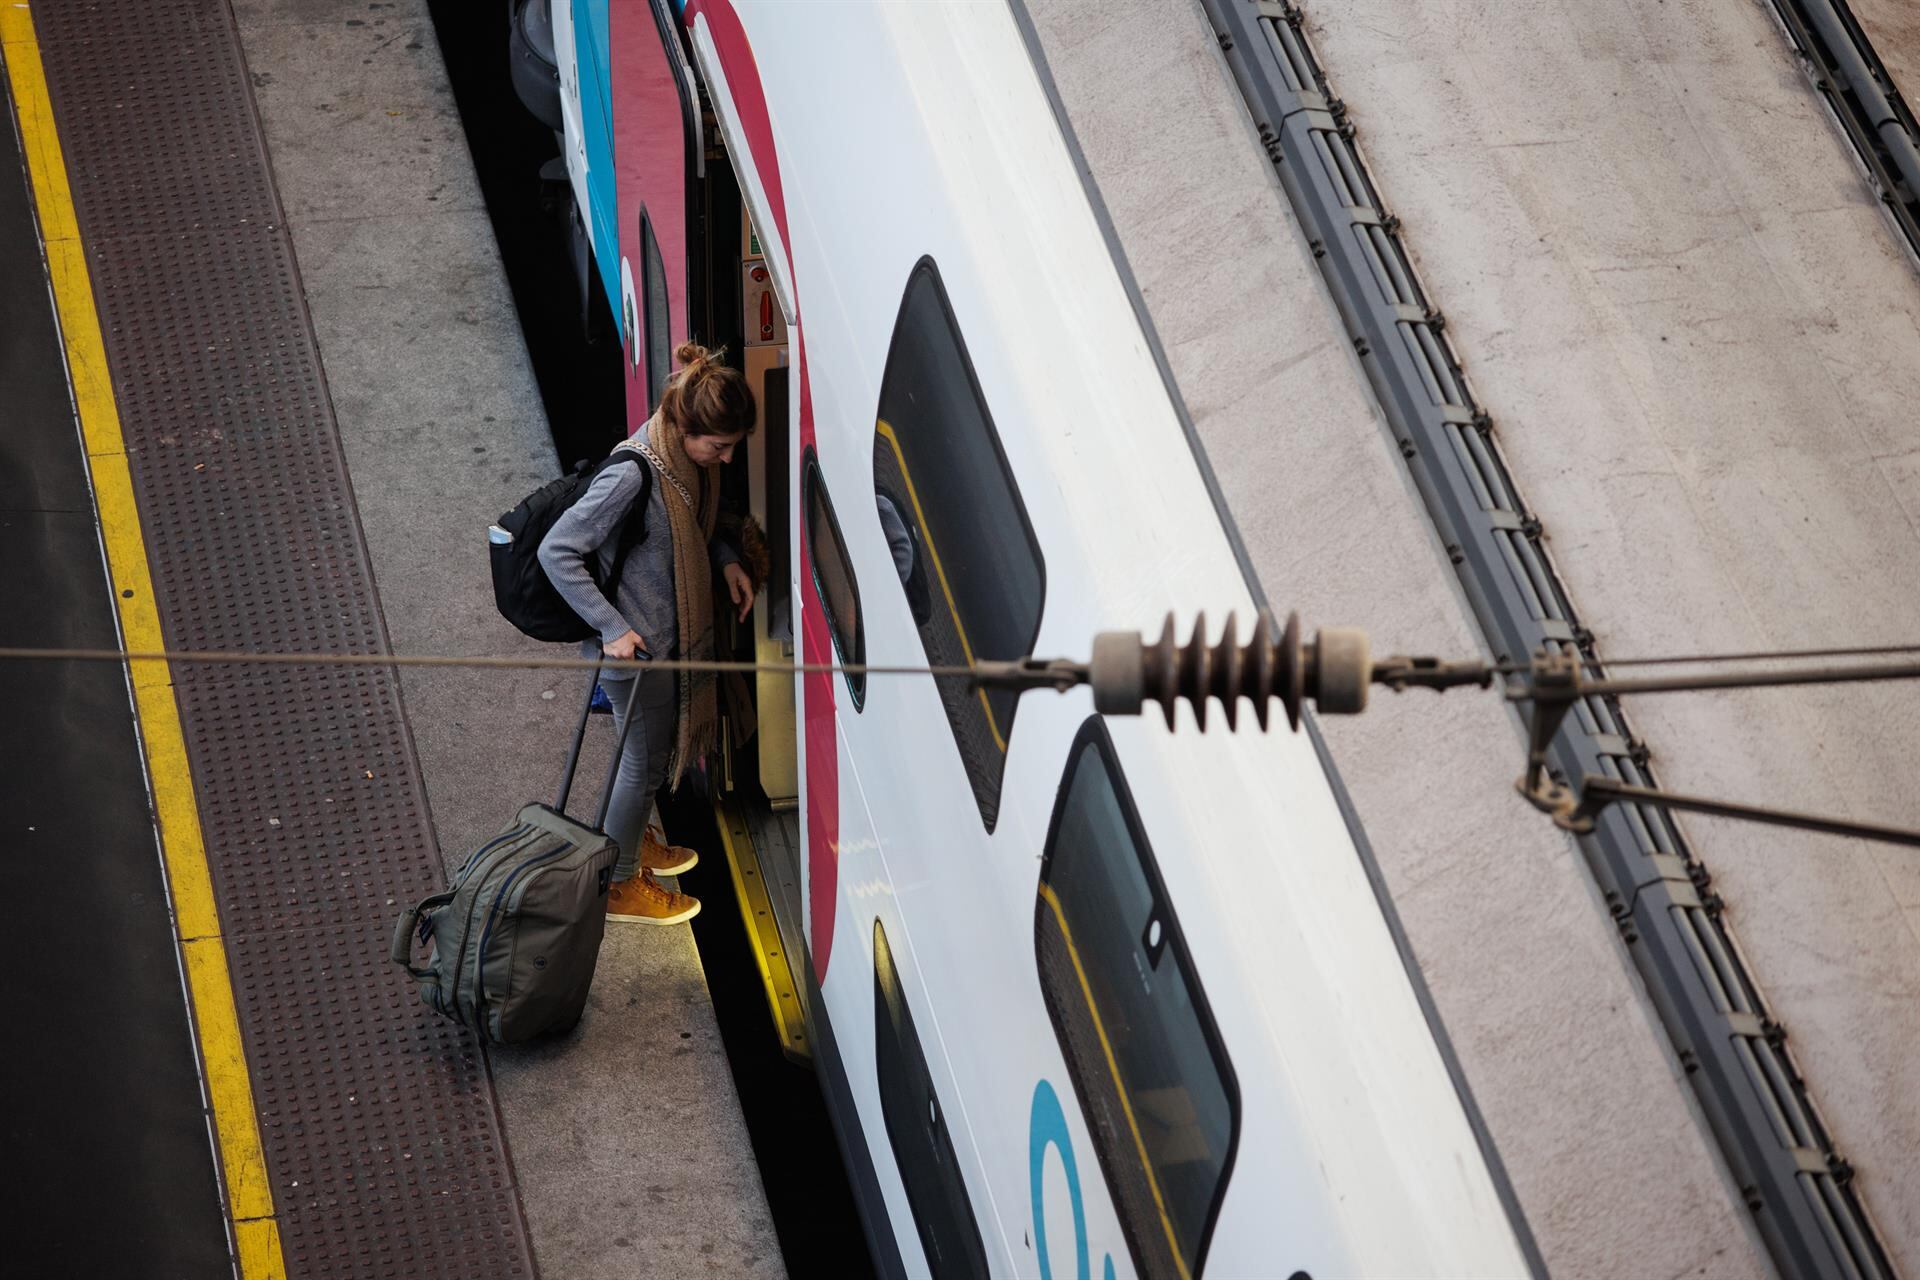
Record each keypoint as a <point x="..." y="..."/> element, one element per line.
<point x="593" y="60"/>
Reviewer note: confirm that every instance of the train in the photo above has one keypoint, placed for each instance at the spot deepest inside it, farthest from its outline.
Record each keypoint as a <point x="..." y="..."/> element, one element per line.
<point x="1089" y="996"/>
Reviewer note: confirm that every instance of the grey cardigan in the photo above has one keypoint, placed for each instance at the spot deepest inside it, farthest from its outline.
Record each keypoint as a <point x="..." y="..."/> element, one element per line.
<point x="643" y="598"/>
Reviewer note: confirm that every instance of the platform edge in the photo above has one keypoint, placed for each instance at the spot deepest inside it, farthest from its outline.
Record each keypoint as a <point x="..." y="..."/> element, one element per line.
<point x="157" y="719"/>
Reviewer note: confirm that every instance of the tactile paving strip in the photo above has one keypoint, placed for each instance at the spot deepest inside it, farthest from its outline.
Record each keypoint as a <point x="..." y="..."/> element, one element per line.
<point x="377" y="1116"/>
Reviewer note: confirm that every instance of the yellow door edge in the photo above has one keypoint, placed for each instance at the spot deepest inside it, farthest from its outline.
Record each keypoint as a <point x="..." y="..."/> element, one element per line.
<point x="763" y="933"/>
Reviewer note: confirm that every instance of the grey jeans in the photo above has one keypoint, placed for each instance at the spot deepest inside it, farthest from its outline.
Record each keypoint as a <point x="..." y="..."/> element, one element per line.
<point x="643" y="764"/>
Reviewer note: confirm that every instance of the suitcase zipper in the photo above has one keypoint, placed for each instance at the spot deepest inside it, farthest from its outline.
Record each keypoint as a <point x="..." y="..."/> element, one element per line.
<point x="474" y="865"/>
<point x="493" y="913"/>
<point x="520" y="894"/>
<point x="487" y="848"/>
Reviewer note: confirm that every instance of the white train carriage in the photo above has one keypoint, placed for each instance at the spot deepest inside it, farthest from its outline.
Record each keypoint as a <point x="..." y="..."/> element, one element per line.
<point x="1090" y="997"/>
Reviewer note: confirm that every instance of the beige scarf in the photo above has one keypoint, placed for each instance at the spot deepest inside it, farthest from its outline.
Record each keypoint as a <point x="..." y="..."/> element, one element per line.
<point x="692" y="500"/>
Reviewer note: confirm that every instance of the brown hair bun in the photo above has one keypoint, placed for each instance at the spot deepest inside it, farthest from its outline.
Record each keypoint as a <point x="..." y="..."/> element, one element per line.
<point x="706" y="397"/>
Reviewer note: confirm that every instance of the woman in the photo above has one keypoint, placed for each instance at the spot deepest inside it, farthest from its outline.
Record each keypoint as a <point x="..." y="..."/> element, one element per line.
<point x="662" y="606"/>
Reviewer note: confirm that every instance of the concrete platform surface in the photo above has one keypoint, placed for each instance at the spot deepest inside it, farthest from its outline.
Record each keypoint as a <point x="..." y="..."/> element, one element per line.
<point x="628" y="1146"/>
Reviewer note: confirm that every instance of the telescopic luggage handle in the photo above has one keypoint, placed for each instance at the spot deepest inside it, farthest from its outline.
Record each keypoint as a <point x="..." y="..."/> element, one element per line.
<point x="580" y="737"/>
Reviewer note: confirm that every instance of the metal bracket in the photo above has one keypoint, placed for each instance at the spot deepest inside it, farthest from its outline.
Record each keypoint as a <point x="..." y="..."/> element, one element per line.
<point x="1596" y="793"/>
<point x="1554" y="689"/>
<point x="1558" y="681"/>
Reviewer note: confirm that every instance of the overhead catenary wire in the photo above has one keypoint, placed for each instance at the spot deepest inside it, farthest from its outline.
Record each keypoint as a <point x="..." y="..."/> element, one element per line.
<point x="473" y="661"/>
<point x="958" y="671"/>
<point x="1780" y="655"/>
<point x="1511" y="667"/>
<point x="1126" y="673"/>
<point x="1707" y="682"/>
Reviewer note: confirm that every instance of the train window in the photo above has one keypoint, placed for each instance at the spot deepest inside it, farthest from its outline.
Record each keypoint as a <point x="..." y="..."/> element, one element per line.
<point x="1147" y="1063"/>
<point x="833" y="577"/>
<point x="917" y="1130"/>
<point x="654" y="289"/>
<point x="937" y="462"/>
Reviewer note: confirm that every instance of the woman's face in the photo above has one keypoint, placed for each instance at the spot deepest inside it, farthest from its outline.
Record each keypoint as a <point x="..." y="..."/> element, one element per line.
<point x="710" y="451"/>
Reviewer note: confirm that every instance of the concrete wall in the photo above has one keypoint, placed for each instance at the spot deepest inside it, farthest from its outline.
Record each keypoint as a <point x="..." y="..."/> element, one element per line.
<point x="1610" y="1161"/>
<point x="1700" y="343"/>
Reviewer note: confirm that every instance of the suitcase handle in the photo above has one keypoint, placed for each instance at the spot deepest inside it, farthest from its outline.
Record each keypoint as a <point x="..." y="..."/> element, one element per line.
<point x="403" y="932"/>
<point x="580" y="737"/>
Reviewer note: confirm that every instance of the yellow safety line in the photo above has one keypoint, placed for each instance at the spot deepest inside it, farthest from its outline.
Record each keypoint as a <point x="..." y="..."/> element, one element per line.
<point x="886" y="431"/>
<point x="216" y="1024"/>
<point x="1119" y="1082"/>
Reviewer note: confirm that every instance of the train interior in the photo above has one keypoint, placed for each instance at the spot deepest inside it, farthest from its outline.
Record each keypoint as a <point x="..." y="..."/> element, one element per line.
<point x="755" y="781"/>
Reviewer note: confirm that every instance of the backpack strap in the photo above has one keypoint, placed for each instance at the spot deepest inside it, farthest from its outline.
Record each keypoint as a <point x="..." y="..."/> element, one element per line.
<point x="633" y="531"/>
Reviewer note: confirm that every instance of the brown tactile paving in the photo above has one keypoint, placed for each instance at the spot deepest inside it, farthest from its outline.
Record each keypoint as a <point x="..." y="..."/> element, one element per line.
<point x="378" y="1119"/>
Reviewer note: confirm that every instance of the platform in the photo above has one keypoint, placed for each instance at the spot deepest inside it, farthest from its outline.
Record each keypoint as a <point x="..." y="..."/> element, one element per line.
<point x="316" y="371"/>
<point x="112" y="1050"/>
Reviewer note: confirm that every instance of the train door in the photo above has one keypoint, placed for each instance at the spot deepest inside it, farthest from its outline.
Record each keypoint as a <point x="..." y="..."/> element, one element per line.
<point x="693" y="266"/>
<point x="691" y="263"/>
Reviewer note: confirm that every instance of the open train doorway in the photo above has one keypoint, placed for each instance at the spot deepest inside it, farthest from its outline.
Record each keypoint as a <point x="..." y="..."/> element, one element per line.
<point x="588" y="365"/>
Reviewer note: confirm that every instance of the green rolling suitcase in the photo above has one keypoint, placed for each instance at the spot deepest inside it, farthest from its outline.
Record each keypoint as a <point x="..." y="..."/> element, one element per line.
<point x="514" y="939"/>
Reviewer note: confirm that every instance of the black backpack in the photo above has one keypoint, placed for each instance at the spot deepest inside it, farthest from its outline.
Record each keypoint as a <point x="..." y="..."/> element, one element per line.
<point x="525" y="595"/>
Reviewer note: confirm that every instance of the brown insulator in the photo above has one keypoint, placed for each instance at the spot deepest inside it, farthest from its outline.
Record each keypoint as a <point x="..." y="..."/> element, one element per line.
<point x="1333" y="669"/>
<point x="1260" y="665"/>
<point x="1162" y="682"/>
<point x="1196" y="670"/>
<point x="1229" y="666"/>
<point x="1289" y="674"/>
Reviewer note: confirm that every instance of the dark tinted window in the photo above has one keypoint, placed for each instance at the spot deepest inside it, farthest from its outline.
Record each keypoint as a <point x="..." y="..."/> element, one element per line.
<point x="917" y="1130"/>
<point x="1147" y="1064"/>
<point x="937" y="460"/>
<point x="833" y="576"/>
<point x="653" y="292"/>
